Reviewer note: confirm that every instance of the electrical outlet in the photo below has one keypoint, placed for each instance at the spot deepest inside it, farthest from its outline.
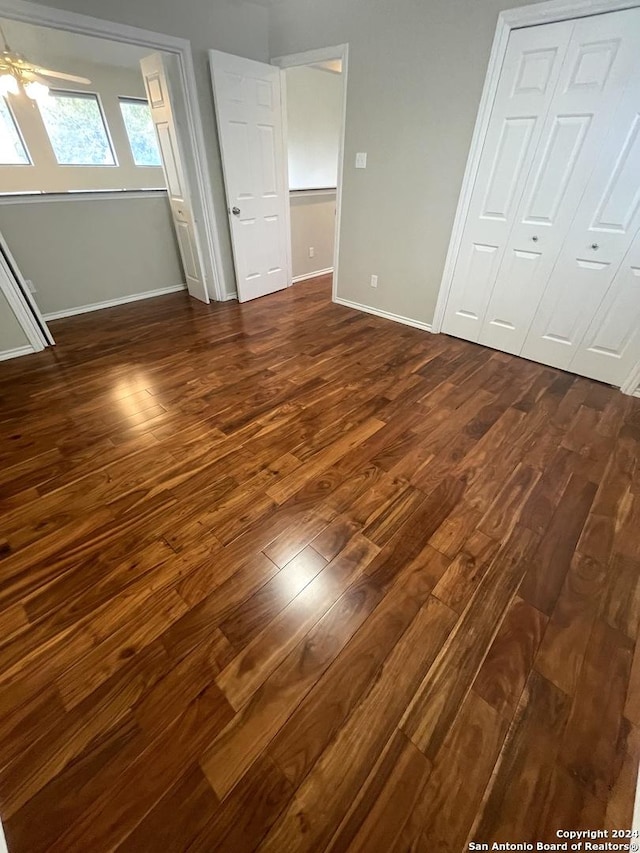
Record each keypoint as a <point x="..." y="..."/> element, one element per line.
<point x="30" y="285"/>
<point x="374" y="281"/>
<point x="312" y="252"/>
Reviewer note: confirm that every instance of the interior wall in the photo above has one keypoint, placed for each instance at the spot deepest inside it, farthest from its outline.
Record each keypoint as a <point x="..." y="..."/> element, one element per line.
<point x="314" y="121"/>
<point x="45" y="175"/>
<point x="92" y="250"/>
<point x="234" y="26"/>
<point x="313" y="222"/>
<point x="415" y="77"/>
<point x="11" y="333"/>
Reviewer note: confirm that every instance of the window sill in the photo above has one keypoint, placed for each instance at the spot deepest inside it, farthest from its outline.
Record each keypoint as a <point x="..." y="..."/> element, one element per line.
<point x="78" y="195"/>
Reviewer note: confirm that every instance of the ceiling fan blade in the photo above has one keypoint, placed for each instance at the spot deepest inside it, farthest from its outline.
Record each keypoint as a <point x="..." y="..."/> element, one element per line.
<point x="60" y="75"/>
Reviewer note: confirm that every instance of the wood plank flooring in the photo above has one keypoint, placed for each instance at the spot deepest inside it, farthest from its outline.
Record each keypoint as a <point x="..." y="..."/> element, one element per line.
<point x="288" y="577"/>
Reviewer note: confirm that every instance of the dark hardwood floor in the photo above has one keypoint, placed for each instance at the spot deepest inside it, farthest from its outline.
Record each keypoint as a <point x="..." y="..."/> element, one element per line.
<point x="286" y="577"/>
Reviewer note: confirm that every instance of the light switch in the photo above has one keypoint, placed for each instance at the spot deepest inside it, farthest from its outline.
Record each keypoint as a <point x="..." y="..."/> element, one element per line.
<point x="361" y="160"/>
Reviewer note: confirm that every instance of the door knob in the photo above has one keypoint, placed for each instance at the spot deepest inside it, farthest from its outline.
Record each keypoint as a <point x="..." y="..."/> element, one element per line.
<point x="595" y="247"/>
<point x="535" y="239"/>
<point x="235" y="211"/>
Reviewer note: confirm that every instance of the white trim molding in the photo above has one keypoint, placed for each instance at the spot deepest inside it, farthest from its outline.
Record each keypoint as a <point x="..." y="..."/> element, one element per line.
<point x="19" y="301"/>
<point x="193" y="135"/>
<point x="386" y="315"/>
<point x="547" y="12"/>
<point x="312" y="57"/>
<point x="101" y="195"/>
<point x="312" y="192"/>
<point x="16" y="352"/>
<point x="316" y="274"/>
<point x="112" y="303"/>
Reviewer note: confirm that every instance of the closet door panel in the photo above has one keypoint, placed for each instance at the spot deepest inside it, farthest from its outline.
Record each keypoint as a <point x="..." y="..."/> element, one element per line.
<point x="582" y="282"/>
<point x="528" y="80"/>
<point x="611" y="346"/>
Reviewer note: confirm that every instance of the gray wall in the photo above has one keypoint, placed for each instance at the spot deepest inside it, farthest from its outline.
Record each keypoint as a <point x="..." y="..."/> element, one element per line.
<point x="416" y="70"/>
<point x="11" y="334"/>
<point x="230" y="25"/>
<point x="313" y="223"/>
<point x="91" y="251"/>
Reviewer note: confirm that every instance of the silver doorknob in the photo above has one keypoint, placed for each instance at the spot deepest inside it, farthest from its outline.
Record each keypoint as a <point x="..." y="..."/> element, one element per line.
<point x="235" y="211"/>
<point x="595" y="247"/>
<point x="535" y="239"/>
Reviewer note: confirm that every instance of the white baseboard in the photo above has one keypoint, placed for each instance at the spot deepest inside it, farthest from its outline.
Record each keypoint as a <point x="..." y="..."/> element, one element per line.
<point x="15" y="353"/>
<point x="229" y="296"/>
<point x="112" y="303"/>
<point x="386" y="315"/>
<point x="309" y="275"/>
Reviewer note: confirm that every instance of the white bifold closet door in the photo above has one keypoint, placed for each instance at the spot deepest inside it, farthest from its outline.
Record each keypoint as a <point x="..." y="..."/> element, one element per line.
<point x="554" y="208"/>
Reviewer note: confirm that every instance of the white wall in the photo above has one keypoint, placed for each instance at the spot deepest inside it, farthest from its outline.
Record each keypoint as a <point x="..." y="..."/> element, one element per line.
<point x="90" y="251"/>
<point x="45" y="175"/>
<point x="416" y="71"/>
<point x="313" y="222"/>
<point x="314" y="119"/>
<point x="234" y="26"/>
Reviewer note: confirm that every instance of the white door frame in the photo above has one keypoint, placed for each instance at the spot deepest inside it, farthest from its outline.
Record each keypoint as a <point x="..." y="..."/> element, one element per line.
<point x="311" y="57"/>
<point x="193" y="136"/>
<point x="548" y="12"/>
<point x="21" y="300"/>
<point x="19" y="304"/>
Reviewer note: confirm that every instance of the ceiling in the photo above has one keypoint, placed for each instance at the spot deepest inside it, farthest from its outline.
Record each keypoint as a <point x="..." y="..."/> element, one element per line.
<point x="265" y="3"/>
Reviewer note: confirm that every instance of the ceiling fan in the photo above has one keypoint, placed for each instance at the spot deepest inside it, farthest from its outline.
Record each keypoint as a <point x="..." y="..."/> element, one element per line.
<point x="16" y="73"/>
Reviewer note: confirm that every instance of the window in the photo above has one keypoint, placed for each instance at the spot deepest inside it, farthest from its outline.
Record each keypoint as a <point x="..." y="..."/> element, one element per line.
<point x="76" y="129"/>
<point x="12" y="150"/>
<point x="142" y="136"/>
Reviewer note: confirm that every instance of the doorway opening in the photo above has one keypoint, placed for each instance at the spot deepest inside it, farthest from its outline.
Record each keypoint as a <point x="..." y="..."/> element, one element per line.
<point x="298" y="102"/>
<point x="307" y="210"/>
<point x="92" y="213"/>
<point x="313" y="97"/>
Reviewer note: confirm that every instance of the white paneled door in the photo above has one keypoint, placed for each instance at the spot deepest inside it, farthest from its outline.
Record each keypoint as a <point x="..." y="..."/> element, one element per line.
<point x="157" y="85"/>
<point x="249" y="112"/>
<point x="556" y="206"/>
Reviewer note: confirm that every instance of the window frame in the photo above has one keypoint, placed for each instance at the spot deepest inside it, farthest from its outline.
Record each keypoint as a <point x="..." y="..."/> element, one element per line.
<point x="129" y="99"/>
<point x="20" y="134"/>
<point x="83" y="94"/>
